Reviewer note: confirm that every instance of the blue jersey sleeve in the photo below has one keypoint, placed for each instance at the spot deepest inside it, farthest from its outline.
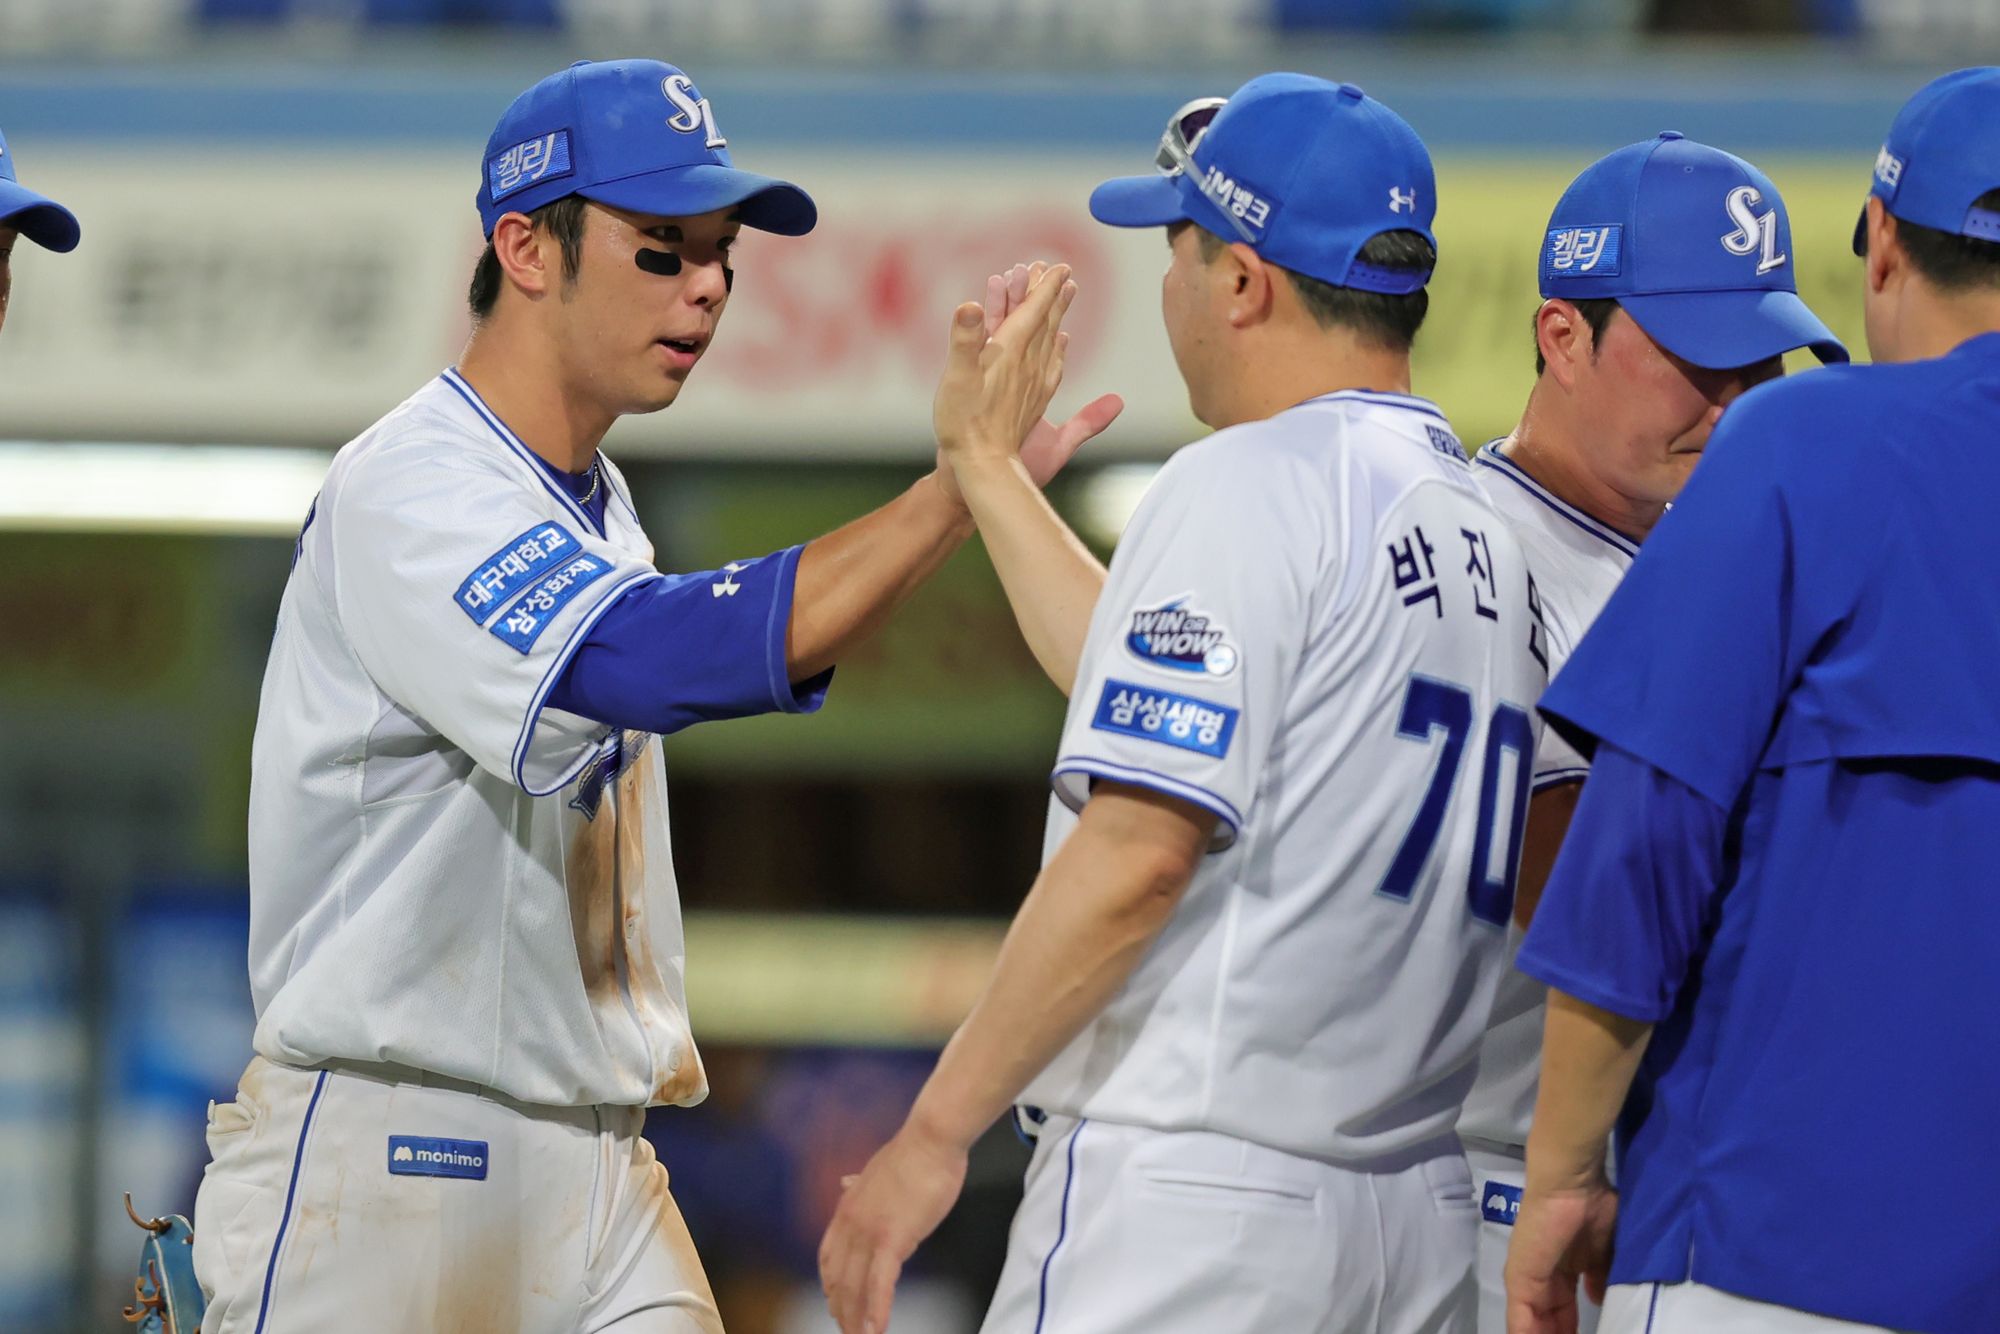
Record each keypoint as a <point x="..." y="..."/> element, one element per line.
<point x="690" y="648"/>
<point x="1627" y="906"/>
<point x="1693" y="654"/>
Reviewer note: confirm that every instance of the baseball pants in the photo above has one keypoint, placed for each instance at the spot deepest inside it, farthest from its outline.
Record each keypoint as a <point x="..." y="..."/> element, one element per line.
<point x="387" y="1199"/>
<point x="1695" y="1308"/>
<point x="1124" y="1230"/>
<point x="1497" y="1179"/>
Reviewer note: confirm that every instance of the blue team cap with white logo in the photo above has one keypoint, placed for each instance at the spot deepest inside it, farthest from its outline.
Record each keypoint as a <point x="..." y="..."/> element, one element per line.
<point x="633" y="134"/>
<point x="34" y="216"/>
<point x="1695" y="244"/>
<point x="1942" y="154"/>
<point x="1303" y="171"/>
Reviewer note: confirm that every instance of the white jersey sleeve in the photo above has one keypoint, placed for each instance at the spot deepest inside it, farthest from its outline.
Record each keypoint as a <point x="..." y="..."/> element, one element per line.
<point x="463" y="600"/>
<point x="1195" y="639"/>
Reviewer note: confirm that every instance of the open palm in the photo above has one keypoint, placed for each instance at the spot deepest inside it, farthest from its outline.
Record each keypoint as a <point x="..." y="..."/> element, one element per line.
<point x="1048" y="446"/>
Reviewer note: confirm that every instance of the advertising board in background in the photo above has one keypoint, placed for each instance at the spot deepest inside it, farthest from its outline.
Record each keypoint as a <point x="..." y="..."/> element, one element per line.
<point x="321" y="286"/>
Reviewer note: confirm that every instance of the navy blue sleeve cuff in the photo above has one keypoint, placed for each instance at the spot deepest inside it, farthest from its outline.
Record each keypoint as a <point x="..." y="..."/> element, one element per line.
<point x="1073" y="775"/>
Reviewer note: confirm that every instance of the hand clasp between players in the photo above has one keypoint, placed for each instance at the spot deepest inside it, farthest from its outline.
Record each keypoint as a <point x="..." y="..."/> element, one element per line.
<point x="1003" y="366"/>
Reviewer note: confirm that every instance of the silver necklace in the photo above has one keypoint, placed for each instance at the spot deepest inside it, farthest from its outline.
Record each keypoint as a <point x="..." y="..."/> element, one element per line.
<point x="595" y="478"/>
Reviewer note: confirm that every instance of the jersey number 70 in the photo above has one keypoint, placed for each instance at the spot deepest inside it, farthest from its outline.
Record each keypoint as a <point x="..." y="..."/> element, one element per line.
<point x="1431" y="706"/>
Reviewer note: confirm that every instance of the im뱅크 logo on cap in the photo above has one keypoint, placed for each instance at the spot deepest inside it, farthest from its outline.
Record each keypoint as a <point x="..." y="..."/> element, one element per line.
<point x="1888" y="168"/>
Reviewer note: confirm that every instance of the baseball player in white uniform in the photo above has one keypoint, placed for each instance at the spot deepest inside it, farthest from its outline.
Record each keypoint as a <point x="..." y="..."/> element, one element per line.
<point x="1240" y="1006"/>
<point x="466" y="948"/>
<point x="1628" y="386"/>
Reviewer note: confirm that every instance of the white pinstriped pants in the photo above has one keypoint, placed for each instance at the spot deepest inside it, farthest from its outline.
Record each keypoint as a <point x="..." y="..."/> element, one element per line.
<point x="1124" y="1230"/>
<point x="310" y="1220"/>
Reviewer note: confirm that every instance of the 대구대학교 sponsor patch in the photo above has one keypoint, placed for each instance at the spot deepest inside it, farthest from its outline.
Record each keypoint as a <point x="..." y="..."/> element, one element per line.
<point x="506" y="572"/>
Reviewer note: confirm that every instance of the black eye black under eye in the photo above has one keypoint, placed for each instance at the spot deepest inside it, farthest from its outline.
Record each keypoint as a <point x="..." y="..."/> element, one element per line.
<point x="665" y="263"/>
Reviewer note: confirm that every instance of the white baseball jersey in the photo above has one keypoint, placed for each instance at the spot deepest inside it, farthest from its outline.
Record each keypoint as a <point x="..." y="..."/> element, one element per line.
<point x="445" y="873"/>
<point x="1576" y="562"/>
<point x="1317" y="628"/>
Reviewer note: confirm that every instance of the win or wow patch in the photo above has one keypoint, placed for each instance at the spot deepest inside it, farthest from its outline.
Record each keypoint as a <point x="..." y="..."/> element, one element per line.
<point x="512" y="568"/>
<point x="1165" y="717"/>
<point x="525" y="620"/>
<point x="1180" y="639"/>
<point x="422" y="1156"/>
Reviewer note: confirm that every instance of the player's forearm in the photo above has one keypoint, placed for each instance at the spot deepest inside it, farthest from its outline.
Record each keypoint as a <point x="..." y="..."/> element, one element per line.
<point x="852" y="580"/>
<point x="1589" y="1058"/>
<point x="1091" y="916"/>
<point x="1051" y="578"/>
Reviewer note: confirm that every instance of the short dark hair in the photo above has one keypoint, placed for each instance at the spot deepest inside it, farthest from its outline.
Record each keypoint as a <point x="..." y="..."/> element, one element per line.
<point x="1951" y="262"/>
<point x="1596" y="311"/>
<point x="1387" y="321"/>
<point x="563" y="220"/>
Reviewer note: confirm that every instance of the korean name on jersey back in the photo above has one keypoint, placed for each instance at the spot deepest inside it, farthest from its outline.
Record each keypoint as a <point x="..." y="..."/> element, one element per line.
<point x="1180" y="639"/>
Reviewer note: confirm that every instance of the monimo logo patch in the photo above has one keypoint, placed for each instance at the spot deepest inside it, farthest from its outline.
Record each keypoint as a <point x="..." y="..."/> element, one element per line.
<point x="415" y="1156"/>
<point x="1501" y="1203"/>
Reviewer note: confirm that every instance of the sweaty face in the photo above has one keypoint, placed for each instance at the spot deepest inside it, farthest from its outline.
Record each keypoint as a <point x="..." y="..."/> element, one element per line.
<point x="1651" y="413"/>
<point x="1185" y="298"/>
<point x="7" y="238"/>
<point x="643" y="309"/>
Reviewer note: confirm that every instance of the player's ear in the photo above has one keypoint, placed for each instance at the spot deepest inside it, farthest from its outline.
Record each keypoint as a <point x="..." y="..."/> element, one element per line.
<point x="1883" y="259"/>
<point x="1247" y="283"/>
<point x="1564" y="339"/>
<point x="518" y="247"/>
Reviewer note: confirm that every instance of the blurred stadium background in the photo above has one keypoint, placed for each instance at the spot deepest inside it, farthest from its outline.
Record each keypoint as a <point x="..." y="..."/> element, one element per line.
<point x="278" y="225"/>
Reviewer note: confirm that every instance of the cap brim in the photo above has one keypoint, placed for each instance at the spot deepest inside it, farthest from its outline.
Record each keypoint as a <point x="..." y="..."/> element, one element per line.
<point x="38" y="218"/>
<point x="767" y="204"/>
<point x="1138" y="201"/>
<point x="1724" y="330"/>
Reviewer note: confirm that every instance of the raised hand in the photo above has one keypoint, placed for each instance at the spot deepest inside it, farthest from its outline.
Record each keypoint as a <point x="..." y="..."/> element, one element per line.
<point x="1004" y="365"/>
<point x="1049" y="446"/>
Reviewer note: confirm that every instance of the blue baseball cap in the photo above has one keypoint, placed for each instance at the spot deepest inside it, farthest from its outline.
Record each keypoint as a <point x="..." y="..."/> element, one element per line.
<point x="1304" y="171"/>
<point x="1695" y="244"/>
<point x="34" y="216"/>
<point x="1942" y="153"/>
<point x="633" y="134"/>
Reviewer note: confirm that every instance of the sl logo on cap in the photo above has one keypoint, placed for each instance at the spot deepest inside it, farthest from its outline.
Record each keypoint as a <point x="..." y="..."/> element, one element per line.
<point x="1756" y="233"/>
<point x="692" y="113"/>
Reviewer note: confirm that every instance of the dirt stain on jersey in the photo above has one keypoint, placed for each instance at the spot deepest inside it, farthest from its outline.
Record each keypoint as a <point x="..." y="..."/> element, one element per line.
<point x="592" y="875"/>
<point x="636" y="793"/>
